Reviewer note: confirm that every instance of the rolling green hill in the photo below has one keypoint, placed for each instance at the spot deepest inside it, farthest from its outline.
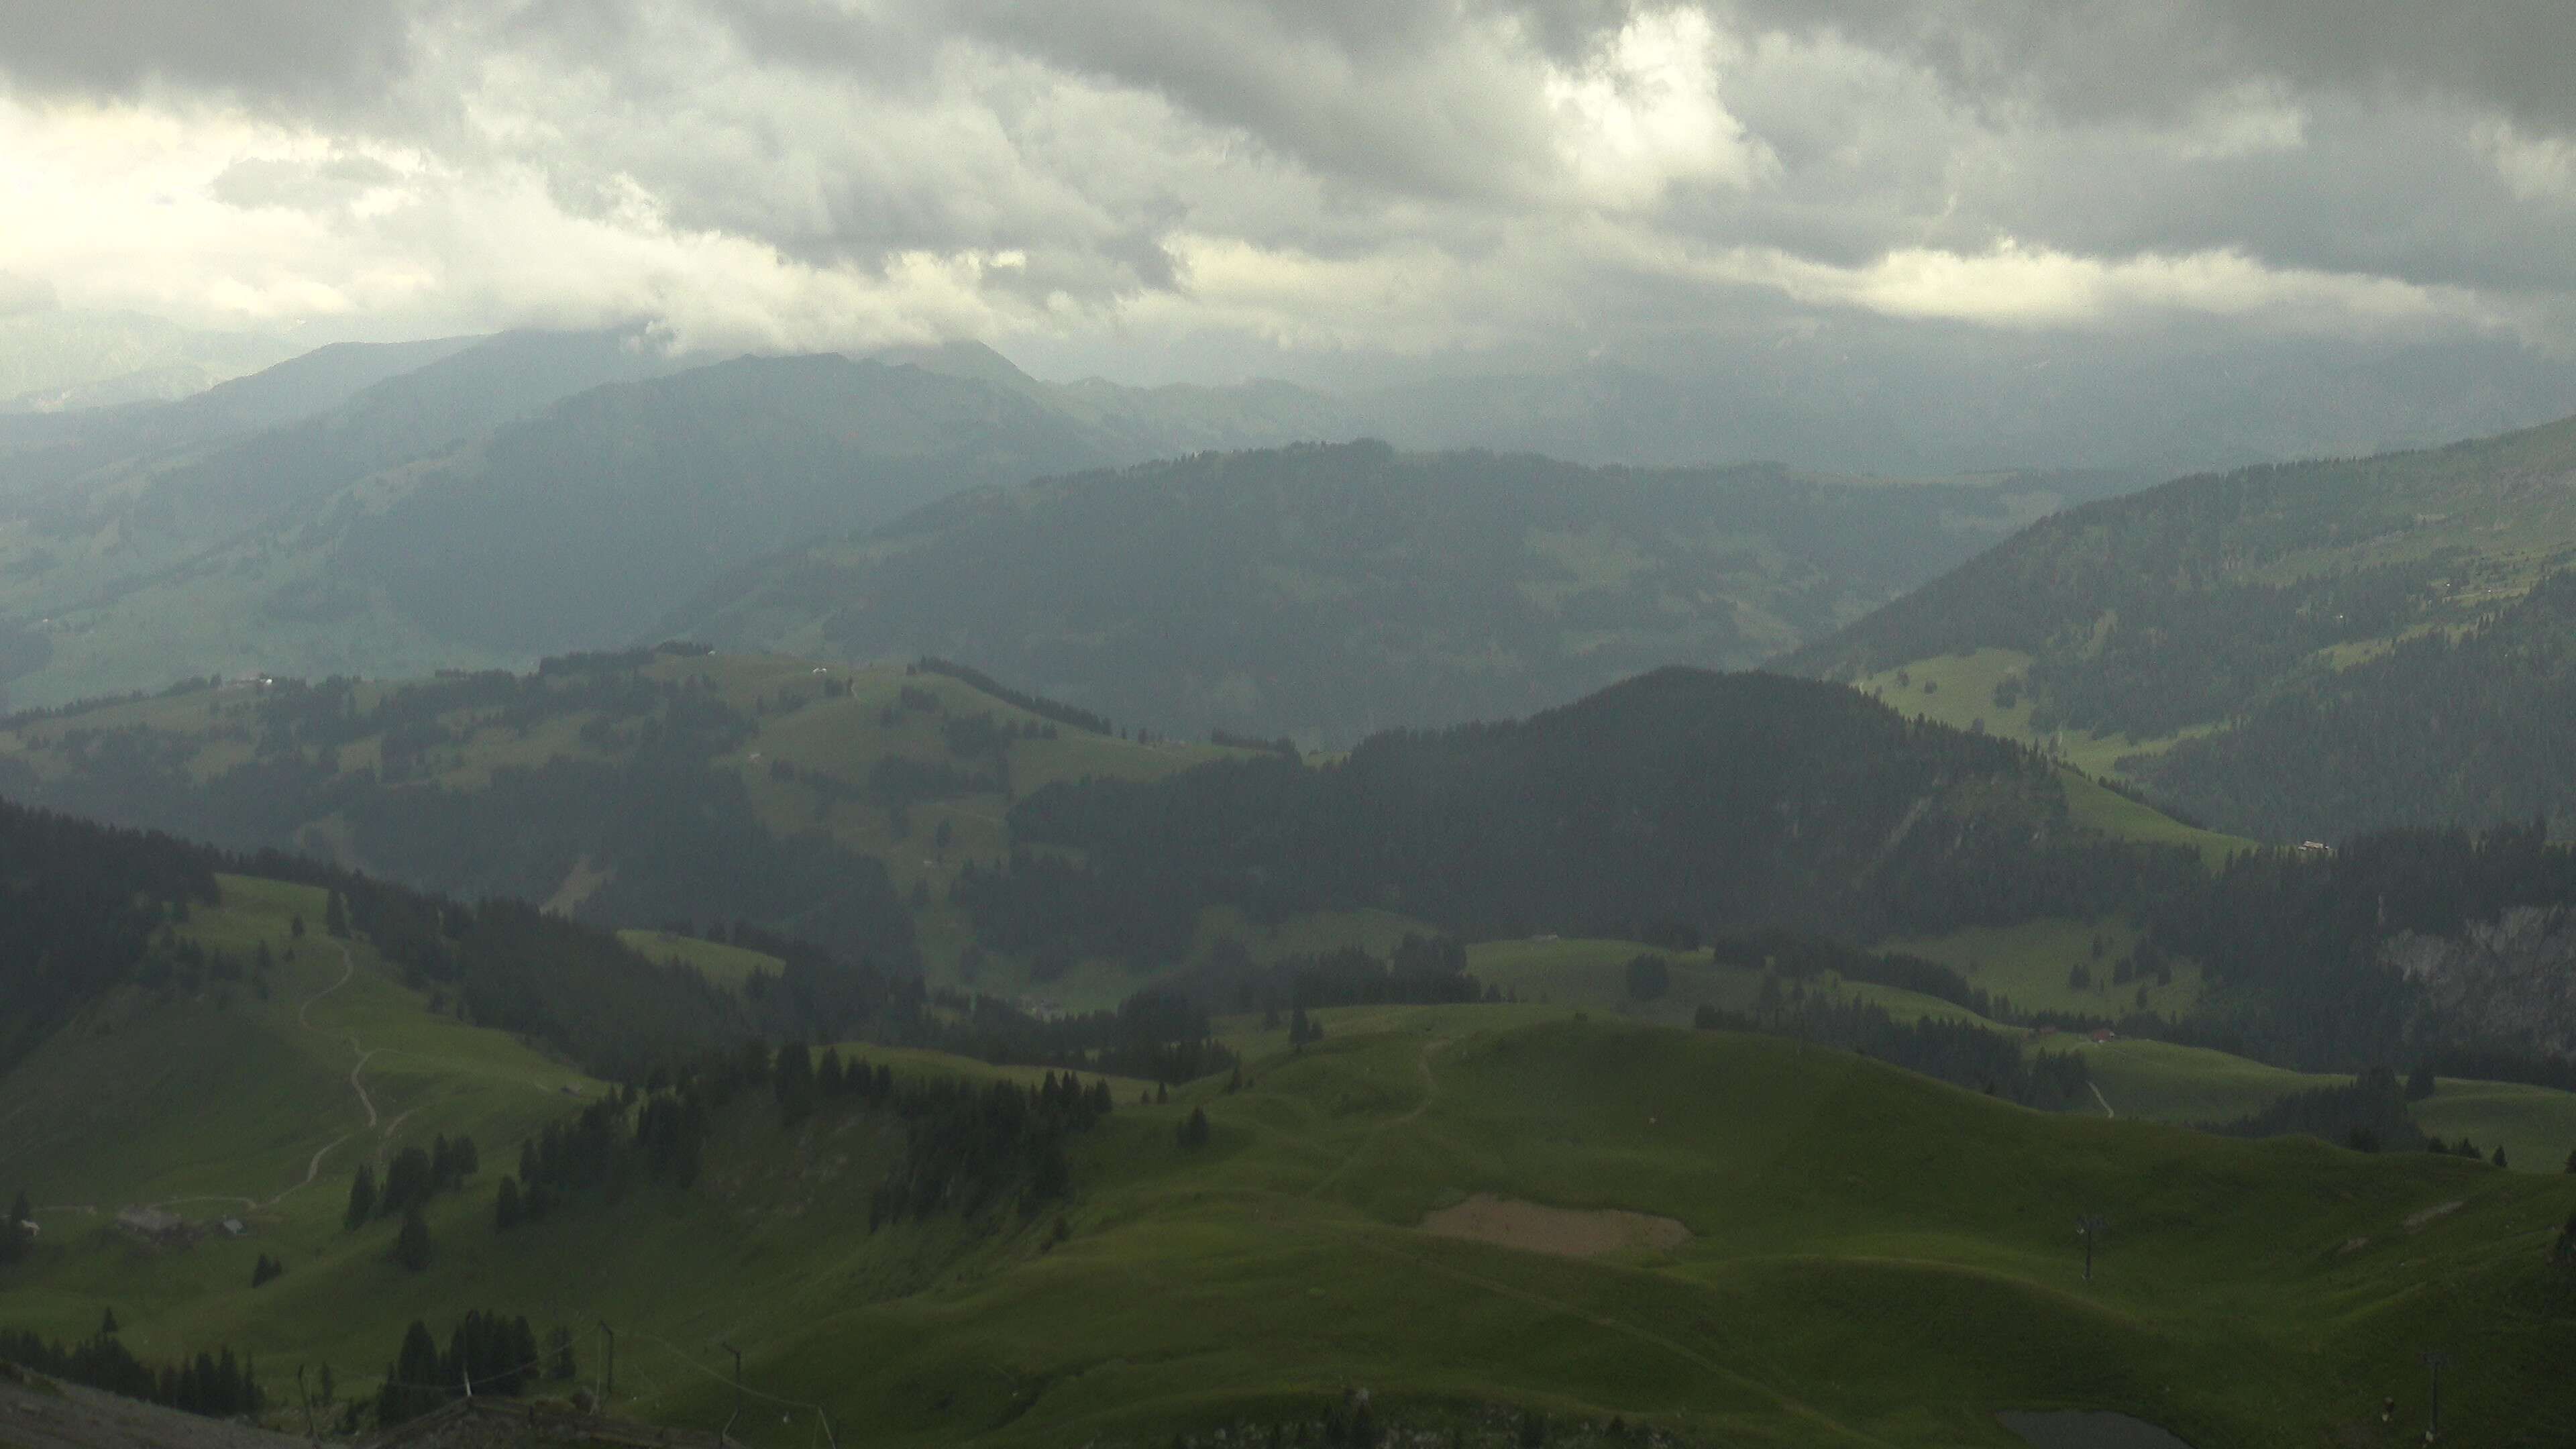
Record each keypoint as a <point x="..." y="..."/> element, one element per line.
<point x="928" y="817"/>
<point x="837" y="805"/>
<point x="1504" y="1222"/>
<point x="2129" y="1076"/>
<point x="1329" y="592"/>
<point x="2291" y="652"/>
<point x="1476" y="1218"/>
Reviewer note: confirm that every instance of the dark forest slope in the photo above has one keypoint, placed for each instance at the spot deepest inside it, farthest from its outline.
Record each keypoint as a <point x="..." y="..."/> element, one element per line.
<point x="2263" y="596"/>
<point x="1326" y="592"/>
<point x="1682" y="797"/>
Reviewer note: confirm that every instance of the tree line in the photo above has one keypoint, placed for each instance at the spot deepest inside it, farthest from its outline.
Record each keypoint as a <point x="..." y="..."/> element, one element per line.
<point x="487" y="1355"/>
<point x="1716" y="802"/>
<point x="216" y="1384"/>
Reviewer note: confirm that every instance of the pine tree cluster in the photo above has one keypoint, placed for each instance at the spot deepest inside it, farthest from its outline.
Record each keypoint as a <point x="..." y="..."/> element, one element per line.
<point x="215" y="1384"/>
<point x="967" y="1147"/>
<point x="487" y="1352"/>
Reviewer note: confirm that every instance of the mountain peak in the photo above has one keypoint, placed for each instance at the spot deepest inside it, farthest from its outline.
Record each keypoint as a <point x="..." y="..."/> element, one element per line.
<point x="963" y="358"/>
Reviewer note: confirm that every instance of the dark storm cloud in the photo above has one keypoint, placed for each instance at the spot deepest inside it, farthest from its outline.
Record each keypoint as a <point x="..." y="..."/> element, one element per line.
<point x="1316" y="168"/>
<point x="329" y="53"/>
<point x="1407" y="93"/>
<point x="2151" y="57"/>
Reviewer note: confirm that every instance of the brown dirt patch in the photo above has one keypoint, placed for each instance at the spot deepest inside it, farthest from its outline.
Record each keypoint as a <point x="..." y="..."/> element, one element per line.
<point x="2415" y="1221"/>
<point x="1566" y="1232"/>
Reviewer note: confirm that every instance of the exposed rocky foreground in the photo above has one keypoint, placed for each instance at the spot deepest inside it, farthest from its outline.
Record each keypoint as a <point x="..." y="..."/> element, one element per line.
<point x="40" y="1413"/>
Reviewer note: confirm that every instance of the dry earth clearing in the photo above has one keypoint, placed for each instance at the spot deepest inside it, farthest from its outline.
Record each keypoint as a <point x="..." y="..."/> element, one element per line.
<point x="1564" y="1232"/>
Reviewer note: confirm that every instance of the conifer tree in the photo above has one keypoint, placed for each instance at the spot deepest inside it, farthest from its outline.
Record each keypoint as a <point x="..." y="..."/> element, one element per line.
<point x="411" y="1245"/>
<point x="506" y="1208"/>
<point x="413" y="1381"/>
<point x="793" y="1082"/>
<point x="335" y="919"/>
<point x="362" y="1197"/>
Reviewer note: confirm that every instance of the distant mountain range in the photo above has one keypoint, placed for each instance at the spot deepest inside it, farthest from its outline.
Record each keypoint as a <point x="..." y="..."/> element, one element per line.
<point x="54" y="358"/>
<point x="1328" y="591"/>
<point x="2298" y="651"/>
<point x="387" y="511"/>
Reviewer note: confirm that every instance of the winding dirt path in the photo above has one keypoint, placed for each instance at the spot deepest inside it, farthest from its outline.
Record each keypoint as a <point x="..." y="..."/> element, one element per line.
<point x="304" y="1019"/>
<point x="1421" y="1064"/>
<point x="312" y="1169"/>
<point x="348" y="969"/>
<point x="2105" y="1101"/>
<point x="360" y="1087"/>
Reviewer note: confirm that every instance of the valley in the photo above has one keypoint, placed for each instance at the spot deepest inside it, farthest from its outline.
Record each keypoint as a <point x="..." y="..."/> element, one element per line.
<point x="1661" y="725"/>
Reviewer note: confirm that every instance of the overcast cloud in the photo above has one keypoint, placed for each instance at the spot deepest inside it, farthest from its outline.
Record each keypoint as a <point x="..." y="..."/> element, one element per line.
<point x="1142" y="186"/>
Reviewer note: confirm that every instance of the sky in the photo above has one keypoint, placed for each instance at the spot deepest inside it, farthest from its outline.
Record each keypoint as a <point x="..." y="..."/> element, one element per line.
<point x="1191" y="189"/>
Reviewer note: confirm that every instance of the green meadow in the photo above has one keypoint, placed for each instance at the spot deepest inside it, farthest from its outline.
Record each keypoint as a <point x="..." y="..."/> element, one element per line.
<point x="2137" y="1077"/>
<point x="1861" y="1257"/>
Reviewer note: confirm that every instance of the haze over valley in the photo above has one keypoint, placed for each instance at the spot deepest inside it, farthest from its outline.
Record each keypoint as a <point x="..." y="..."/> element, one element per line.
<point x="1485" y="724"/>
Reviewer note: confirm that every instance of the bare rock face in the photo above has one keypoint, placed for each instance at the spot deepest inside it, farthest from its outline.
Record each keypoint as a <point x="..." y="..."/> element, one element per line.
<point x="2509" y="983"/>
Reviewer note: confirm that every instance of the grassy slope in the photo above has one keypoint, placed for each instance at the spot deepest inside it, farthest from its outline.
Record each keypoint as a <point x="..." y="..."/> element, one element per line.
<point x="1824" y="1194"/>
<point x="244" y="1106"/>
<point x="2097" y="807"/>
<point x="720" y="963"/>
<point x="2151" y="1080"/>
<point x="1959" y="690"/>
<point x="2491" y="505"/>
<point x="2032" y="963"/>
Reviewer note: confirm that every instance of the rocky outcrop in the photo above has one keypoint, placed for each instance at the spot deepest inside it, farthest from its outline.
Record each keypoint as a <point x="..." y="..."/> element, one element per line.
<point x="2507" y="984"/>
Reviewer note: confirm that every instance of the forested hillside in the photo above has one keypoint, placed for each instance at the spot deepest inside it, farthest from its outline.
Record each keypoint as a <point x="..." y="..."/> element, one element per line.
<point x="143" y="923"/>
<point x="633" y="789"/>
<point x="1710" y="801"/>
<point x="2263" y="598"/>
<point x="1328" y="592"/>
<point x="2445" y="725"/>
<point x="94" y="911"/>
<point x="931" y="819"/>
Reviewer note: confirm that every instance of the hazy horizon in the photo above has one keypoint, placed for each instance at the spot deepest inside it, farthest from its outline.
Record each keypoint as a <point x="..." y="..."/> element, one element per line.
<point x="1920" y="214"/>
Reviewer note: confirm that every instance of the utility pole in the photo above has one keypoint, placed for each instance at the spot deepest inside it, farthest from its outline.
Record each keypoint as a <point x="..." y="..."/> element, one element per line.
<point x="737" y="1389"/>
<point x="608" y="1385"/>
<point x="2436" y="1362"/>
<point x="2089" y="1227"/>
